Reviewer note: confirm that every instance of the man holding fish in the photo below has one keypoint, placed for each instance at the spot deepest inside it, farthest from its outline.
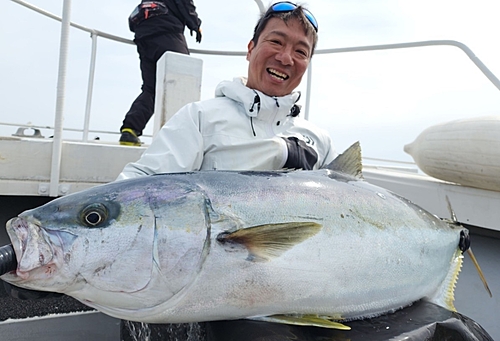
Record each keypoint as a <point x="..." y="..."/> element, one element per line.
<point x="303" y="248"/>
<point x="252" y="123"/>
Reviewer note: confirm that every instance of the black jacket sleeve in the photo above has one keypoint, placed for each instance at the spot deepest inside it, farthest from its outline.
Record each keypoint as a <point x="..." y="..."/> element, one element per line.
<point x="186" y="12"/>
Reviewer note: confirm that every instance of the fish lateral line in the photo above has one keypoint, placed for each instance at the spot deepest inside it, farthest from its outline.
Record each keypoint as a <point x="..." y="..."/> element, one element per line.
<point x="268" y="241"/>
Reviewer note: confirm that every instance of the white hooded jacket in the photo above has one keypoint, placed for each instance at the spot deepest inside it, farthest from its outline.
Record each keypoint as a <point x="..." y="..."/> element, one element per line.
<point x="239" y="129"/>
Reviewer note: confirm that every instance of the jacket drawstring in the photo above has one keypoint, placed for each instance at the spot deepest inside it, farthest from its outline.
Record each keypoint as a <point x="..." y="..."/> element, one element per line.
<point x="256" y="100"/>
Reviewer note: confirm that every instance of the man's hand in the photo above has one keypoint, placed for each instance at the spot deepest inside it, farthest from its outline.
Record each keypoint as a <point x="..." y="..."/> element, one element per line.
<point x="198" y="35"/>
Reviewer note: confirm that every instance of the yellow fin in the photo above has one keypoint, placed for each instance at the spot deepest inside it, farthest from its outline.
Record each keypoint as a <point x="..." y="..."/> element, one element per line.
<point x="349" y="162"/>
<point x="479" y="271"/>
<point x="268" y="241"/>
<point x="305" y="320"/>
<point x="445" y="295"/>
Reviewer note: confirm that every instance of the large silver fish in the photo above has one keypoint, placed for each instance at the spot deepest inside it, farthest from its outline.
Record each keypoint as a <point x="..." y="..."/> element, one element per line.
<point x="302" y="247"/>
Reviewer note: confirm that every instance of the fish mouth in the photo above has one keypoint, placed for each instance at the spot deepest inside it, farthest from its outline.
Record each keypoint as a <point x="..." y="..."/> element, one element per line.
<point x="31" y="246"/>
<point x="277" y="74"/>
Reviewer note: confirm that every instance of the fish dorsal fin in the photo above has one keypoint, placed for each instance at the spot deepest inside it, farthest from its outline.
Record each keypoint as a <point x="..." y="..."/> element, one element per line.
<point x="305" y="320"/>
<point x="349" y="162"/>
<point x="268" y="241"/>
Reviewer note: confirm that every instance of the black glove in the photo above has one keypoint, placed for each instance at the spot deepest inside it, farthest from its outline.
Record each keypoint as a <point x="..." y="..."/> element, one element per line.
<point x="300" y="155"/>
<point x="198" y="35"/>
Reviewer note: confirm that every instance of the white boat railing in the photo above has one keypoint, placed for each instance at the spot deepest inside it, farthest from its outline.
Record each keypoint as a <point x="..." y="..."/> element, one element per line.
<point x="95" y="34"/>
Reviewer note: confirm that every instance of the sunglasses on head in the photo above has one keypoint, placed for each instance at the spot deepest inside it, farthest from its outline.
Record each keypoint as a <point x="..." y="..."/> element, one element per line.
<point x="286" y="6"/>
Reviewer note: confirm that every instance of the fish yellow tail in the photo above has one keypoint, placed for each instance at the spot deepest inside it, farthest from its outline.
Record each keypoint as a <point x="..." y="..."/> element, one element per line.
<point x="445" y="295"/>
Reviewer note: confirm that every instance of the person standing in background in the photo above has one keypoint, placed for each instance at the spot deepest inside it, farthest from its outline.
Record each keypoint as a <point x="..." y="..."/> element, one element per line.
<point x="158" y="27"/>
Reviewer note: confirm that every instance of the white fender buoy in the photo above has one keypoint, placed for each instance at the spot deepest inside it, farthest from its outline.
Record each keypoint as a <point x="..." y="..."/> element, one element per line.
<point x="465" y="151"/>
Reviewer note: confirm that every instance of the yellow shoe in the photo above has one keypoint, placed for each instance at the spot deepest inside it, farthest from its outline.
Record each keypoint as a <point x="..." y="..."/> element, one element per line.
<point x="129" y="138"/>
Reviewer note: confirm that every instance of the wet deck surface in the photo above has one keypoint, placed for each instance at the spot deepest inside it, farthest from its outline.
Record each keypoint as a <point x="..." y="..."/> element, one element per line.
<point x="86" y="327"/>
<point x="472" y="299"/>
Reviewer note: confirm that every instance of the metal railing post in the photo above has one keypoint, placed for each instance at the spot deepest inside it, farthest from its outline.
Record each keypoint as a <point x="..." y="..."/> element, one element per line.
<point x="308" y="90"/>
<point x="90" y="87"/>
<point x="262" y="9"/>
<point x="61" y="87"/>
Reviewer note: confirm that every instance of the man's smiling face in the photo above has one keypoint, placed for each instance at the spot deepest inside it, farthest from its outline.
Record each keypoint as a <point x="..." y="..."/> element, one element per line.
<point x="279" y="59"/>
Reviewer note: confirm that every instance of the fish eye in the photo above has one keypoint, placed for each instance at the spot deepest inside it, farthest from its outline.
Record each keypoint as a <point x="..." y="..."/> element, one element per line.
<point x="94" y="215"/>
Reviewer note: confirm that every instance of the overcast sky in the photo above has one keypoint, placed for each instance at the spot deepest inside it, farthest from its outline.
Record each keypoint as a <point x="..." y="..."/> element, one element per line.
<point x="383" y="99"/>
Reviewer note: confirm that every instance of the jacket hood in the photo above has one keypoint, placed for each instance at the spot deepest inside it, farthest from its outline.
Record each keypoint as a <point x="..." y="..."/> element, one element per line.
<point x="253" y="101"/>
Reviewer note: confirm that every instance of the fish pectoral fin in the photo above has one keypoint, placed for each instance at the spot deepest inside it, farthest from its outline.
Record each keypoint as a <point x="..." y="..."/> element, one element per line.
<point x="268" y="241"/>
<point x="305" y="320"/>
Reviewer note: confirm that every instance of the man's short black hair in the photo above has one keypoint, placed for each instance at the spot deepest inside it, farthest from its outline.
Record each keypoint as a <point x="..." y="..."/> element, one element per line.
<point x="285" y="16"/>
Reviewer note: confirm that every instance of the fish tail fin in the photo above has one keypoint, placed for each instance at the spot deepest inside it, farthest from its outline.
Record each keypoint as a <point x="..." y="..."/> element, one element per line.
<point x="445" y="295"/>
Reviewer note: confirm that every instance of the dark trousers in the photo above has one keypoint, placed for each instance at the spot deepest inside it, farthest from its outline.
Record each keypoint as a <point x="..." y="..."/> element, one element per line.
<point x="150" y="49"/>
